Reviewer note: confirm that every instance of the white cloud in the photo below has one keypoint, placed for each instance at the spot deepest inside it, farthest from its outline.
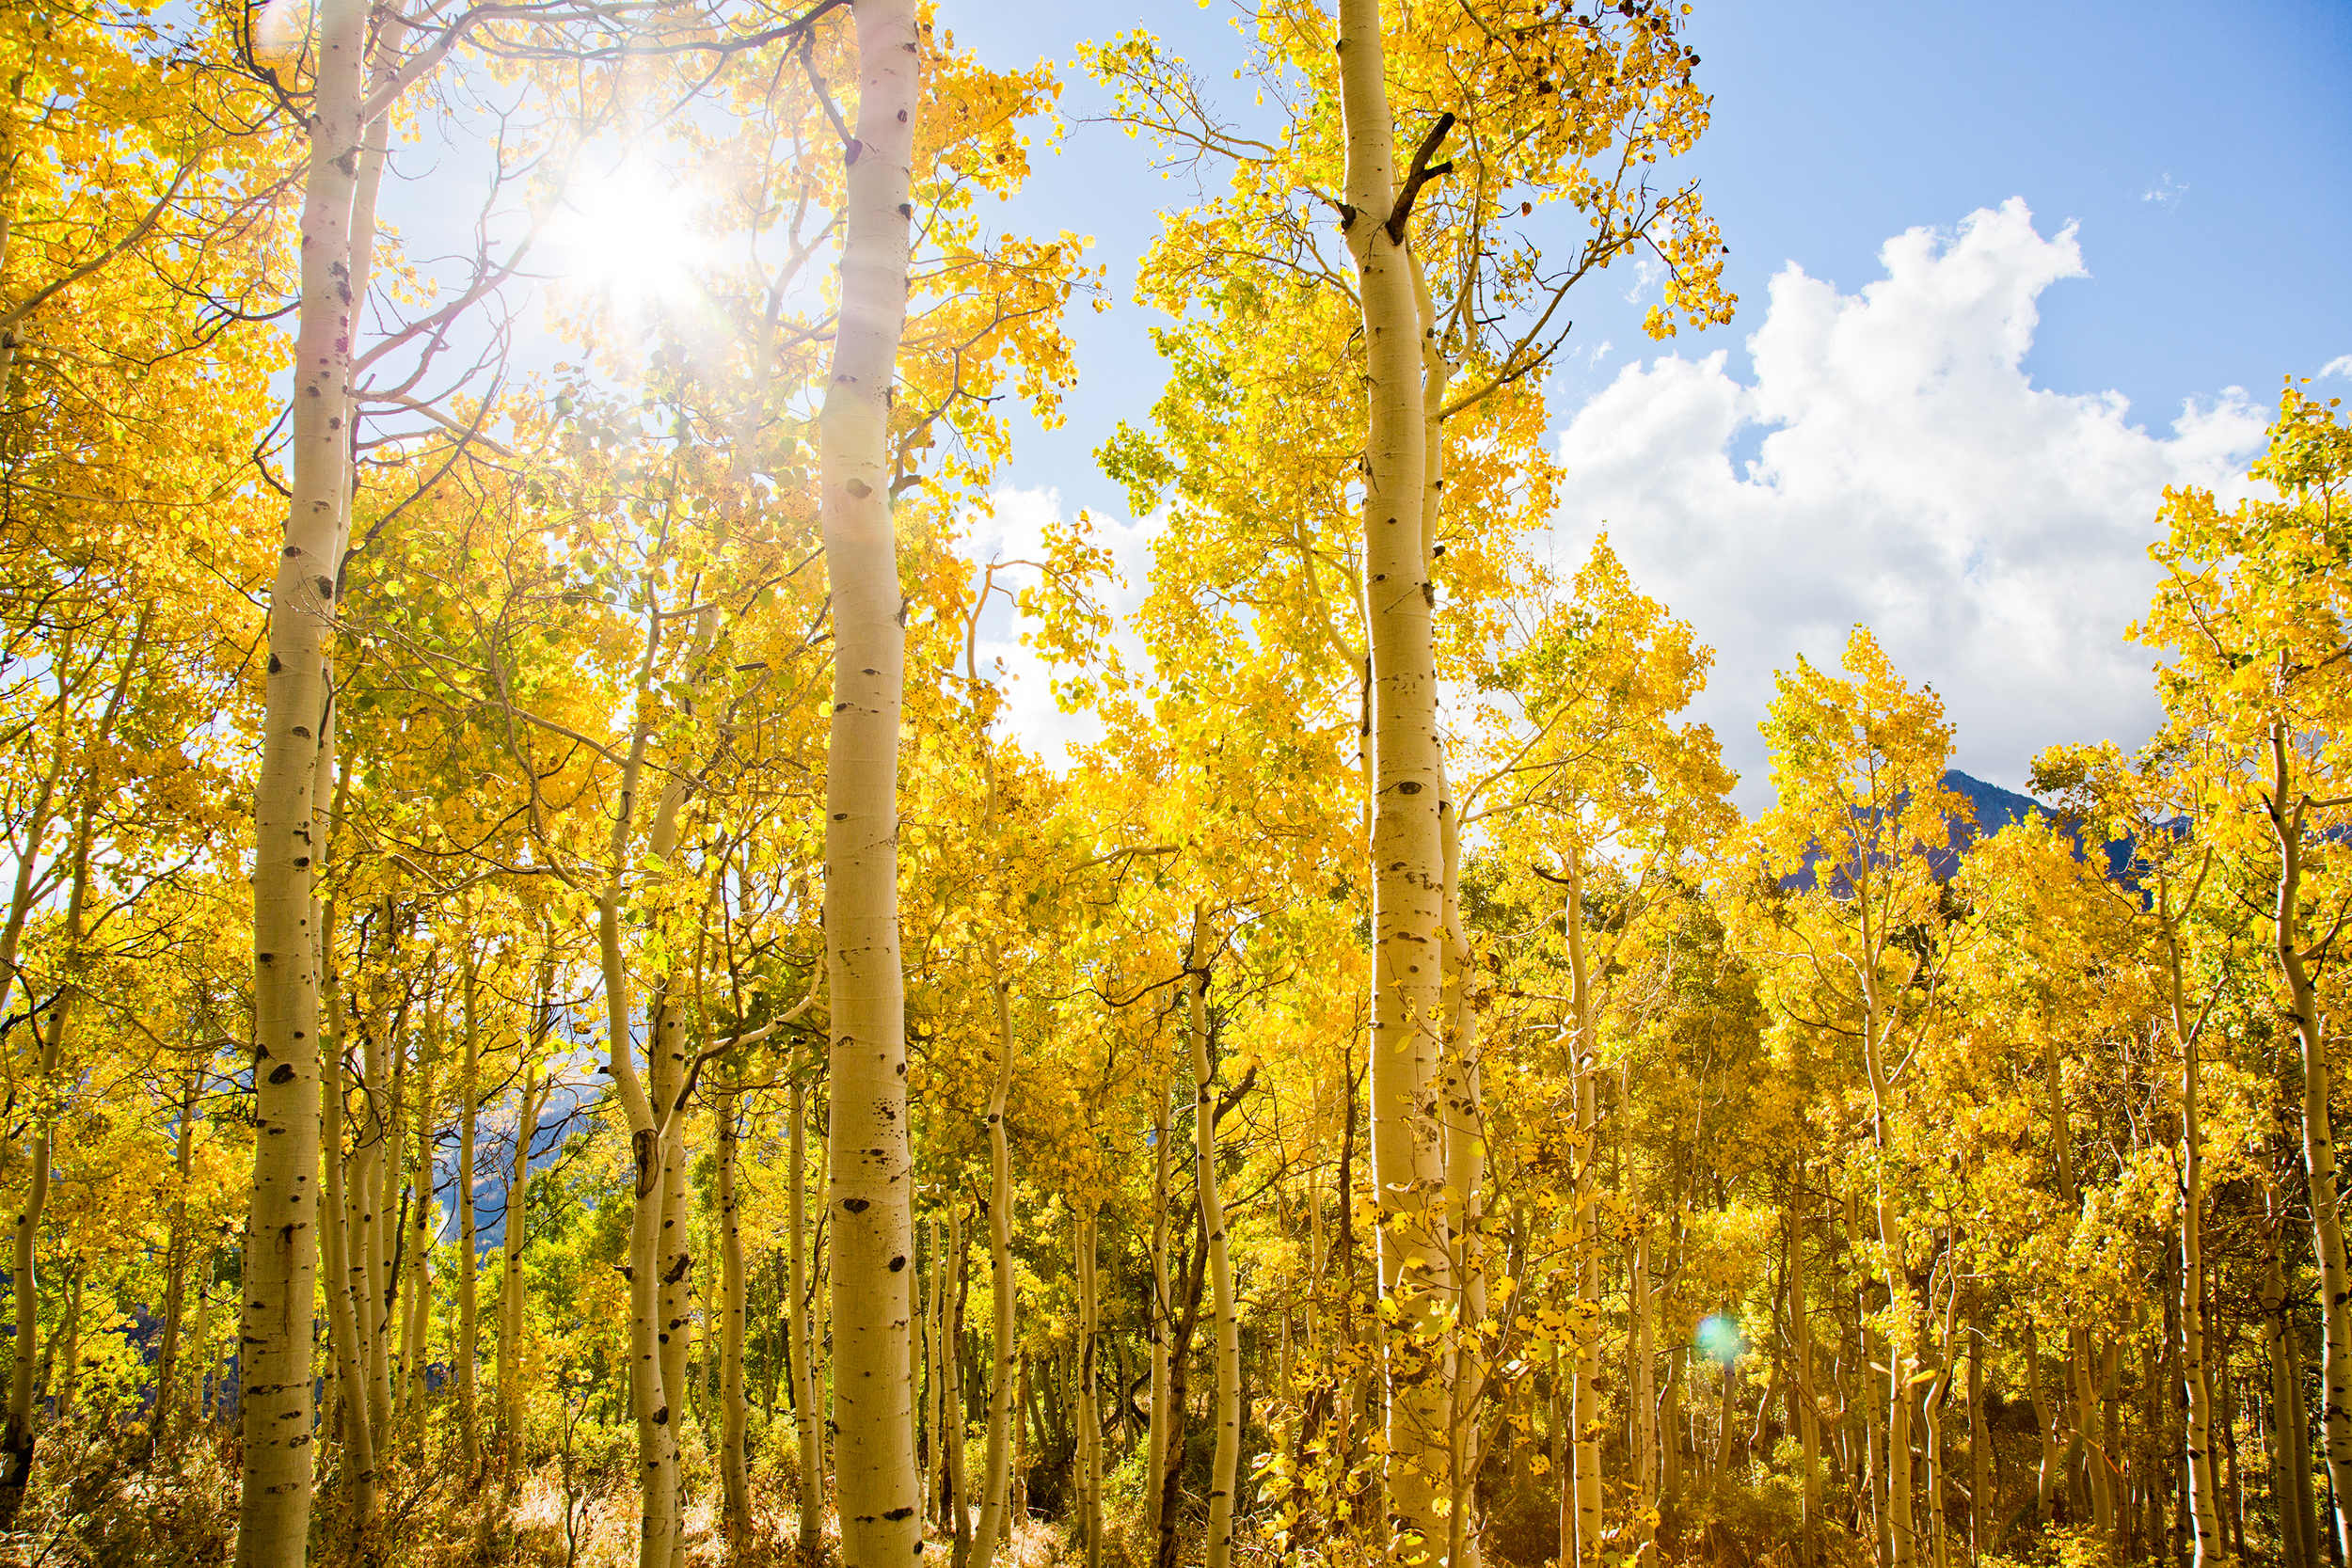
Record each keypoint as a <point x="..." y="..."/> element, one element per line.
<point x="1013" y="529"/>
<point x="1994" y="534"/>
<point x="2164" y="193"/>
<point x="2341" y="365"/>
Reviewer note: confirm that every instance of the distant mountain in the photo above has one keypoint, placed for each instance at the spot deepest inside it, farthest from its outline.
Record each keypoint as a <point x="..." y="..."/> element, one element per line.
<point x="1994" y="808"/>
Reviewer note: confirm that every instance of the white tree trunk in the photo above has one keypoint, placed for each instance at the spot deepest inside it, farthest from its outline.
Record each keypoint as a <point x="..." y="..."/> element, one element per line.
<point x="1225" y="1462"/>
<point x="1406" y="849"/>
<point x="280" y="1259"/>
<point x="870" y="1195"/>
<point x="993" y="1481"/>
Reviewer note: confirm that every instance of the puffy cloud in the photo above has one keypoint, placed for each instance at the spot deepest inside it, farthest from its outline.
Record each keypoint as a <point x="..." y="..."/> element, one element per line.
<point x="1909" y="475"/>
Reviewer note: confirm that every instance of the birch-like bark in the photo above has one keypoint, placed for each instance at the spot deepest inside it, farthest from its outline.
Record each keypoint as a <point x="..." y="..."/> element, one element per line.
<point x="673" y="1252"/>
<point x="1465" y="1144"/>
<point x="468" y="1267"/>
<point x="997" y="1474"/>
<point x="281" y="1250"/>
<point x="2207" y="1548"/>
<point x="1088" y="1401"/>
<point x="511" y="1303"/>
<point x="2290" y="1445"/>
<point x="808" y="1385"/>
<point x="168" y="1352"/>
<point x="870" y="1197"/>
<point x="735" y="1487"/>
<point x="345" y="1302"/>
<point x="1585" y="1075"/>
<point x="1225" y="1462"/>
<point x="1155" y="1463"/>
<point x="957" y="1488"/>
<point x="1981" y="1522"/>
<point x="2287" y="810"/>
<point x="1801" y="1352"/>
<point x="1407" y="856"/>
<point x="17" y="1436"/>
<point x="416" y="1310"/>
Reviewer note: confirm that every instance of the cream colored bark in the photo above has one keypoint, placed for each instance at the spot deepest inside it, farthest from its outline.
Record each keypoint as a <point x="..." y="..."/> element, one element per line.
<point x="511" y="1302"/>
<point x="469" y="1268"/>
<point x="1406" y="848"/>
<point x="808" y="1387"/>
<point x="2290" y="1431"/>
<point x="998" y="1472"/>
<point x="673" y="1253"/>
<point x="1645" y="1307"/>
<point x="17" y="1436"/>
<point x="735" y="1487"/>
<point x="346" y="1306"/>
<point x="1090" y="1415"/>
<point x="1801" y="1352"/>
<point x="417" y="1307"/>
<point x="952" y="1431"/>
<point x="2205" y="1503"/>
<point x="168" y="1354"/>
<point x="1155" y="1461"/>
<point x="1465" y="1153"/>
<point x="1584" y="1068"/>
<point x="2289" y="804"/>
<point x="1226" y="1460"/>
<point x="281" y="1250"/>
<point x="870" y="1195"/>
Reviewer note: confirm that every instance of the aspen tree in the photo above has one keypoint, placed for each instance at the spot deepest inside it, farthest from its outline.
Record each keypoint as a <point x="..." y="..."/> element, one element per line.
<point x="280" y="1267"/>
<point x="870" y="1196"/>
<point x="1407" y="858"/>
<point x="799" y="1338"/>
<point x="1089" y="1477"/>
<point x="2257" y="679"/>
<point x="997" y="1475"/>
<point x="1225" y="1462"/>
<point x="468" y="1263"/>
<point x="1155" y="1451"/>
<point x="735" y="1490"/>
<point x="346" y="1302"/>
<point x="17" y="1438"/>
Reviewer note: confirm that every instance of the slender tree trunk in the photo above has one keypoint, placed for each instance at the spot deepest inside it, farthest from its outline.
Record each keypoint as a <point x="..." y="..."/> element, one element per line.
<point x="1155" y="1467"/>
<point x="2046" y="1424"/>
<point x="469" y="1264"/>
<point x="1464" y="1117"/>
<point x="735" y="1488"/>
<point x="1982" y="1519"/>
<point x="1801" y="1352"/>
<point x="280" y="1259"/>
<point x="346" y="1300"/>
<point x="953" y="1428"/>
<point x="417" y="1316"/>
<point x="870" y="1200"/>
<point x="2290" y="1443"/>
<point x="511" y="1275"/>
<point x="17" y="1436"/>
<point x="2287" y="811"/>
<point x="1406" y="850"/>
<point x="167" y="1353"/>
<point x="1088" y="1400"/>
<point x="1226" y="1461"/>
<point x="2203" y="1502"/>
<point x="808" y="1385"/>
<point x="674" y="1248"/>
<point x="1000" y="1198"/>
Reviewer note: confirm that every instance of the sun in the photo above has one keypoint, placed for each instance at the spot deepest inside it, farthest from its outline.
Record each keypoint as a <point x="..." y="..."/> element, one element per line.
<point x="631" y="233"/>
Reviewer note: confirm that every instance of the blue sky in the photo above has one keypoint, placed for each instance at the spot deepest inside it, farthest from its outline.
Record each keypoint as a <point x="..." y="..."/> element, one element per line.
<point x="2186" y="212"/>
